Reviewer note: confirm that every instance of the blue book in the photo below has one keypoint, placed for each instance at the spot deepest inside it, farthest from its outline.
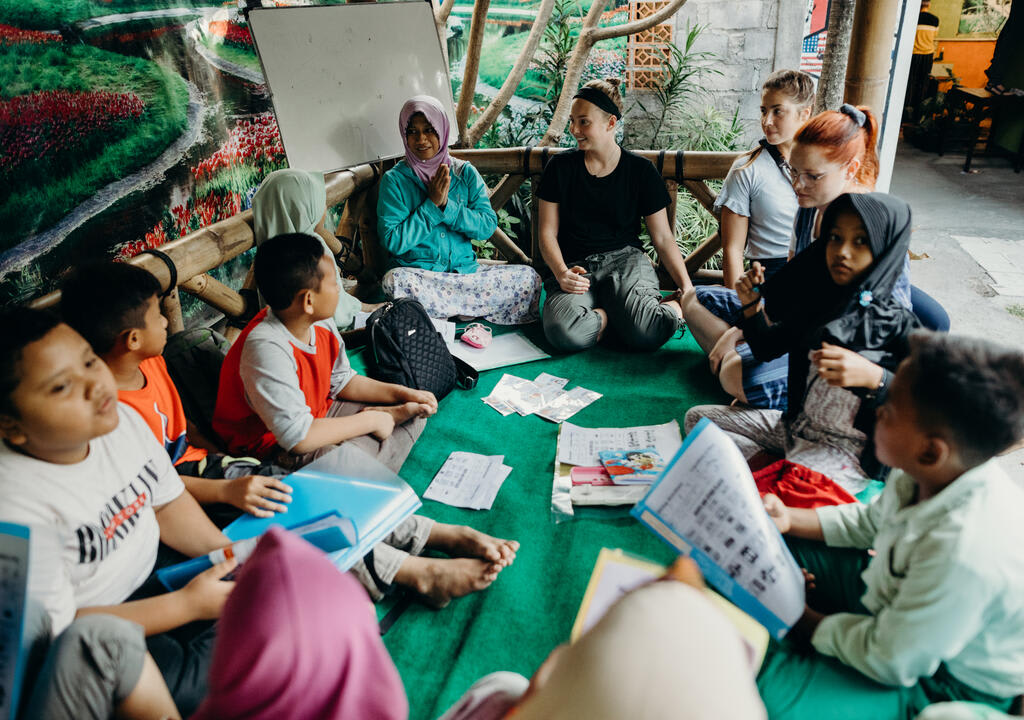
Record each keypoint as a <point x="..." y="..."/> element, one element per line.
<point x="14" y="646"/>
<point x="348" y="481"/>
<point x="706" y="505"/>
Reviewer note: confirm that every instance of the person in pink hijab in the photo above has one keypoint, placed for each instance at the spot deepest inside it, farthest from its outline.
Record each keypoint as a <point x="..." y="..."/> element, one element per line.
<point x="298" y="639"/>
<point x="430" y="209"/>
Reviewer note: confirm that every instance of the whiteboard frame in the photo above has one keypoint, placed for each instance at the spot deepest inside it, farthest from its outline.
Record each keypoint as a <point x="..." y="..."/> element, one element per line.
<point x="306" y="153"/>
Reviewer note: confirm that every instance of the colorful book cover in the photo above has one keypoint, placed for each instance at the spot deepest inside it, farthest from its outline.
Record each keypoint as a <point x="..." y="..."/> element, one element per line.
<point x="641" y="466"/>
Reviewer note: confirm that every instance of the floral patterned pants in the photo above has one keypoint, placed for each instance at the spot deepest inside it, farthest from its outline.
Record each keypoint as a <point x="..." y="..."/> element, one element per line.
<point x="501" y="294"/>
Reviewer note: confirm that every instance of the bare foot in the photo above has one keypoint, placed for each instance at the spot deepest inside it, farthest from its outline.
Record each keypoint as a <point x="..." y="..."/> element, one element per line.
<point x="439" y="580"/>
<point x="464" y="541"/>
<point x="405" y="411"/>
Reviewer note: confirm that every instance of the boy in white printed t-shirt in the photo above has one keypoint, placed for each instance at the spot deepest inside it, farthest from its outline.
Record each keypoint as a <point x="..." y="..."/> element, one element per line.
<point x="99" y="494"/>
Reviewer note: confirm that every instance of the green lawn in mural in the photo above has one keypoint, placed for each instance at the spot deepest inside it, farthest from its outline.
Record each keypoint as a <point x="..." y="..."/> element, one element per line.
<point x="76" y="118"/>
<point x="52" y="14"/>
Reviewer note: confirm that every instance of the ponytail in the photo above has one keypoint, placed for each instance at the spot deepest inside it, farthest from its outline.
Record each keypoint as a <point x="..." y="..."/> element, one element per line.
<point x="845" y="135"/>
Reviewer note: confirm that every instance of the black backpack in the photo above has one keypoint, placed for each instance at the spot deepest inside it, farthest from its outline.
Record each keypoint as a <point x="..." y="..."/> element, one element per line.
<point x="405" y="348"/>
<point x="193" y="361"/>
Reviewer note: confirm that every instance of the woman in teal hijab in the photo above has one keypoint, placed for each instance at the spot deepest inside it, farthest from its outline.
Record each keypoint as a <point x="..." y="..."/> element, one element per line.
<point x="290" y="201"/>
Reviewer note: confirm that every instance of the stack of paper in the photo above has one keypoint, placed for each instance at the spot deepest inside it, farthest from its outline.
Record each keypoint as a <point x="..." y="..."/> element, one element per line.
<point x="581" y="448"/>
<point x="543" y="396"/>
<point x="468" y="480"/>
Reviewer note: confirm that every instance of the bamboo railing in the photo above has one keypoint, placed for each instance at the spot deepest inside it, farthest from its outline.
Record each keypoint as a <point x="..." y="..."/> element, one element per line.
<point x="196" y="254"/>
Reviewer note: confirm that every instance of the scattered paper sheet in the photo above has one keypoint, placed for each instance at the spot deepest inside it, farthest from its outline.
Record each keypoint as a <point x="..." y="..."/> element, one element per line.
<point x="580" y="446"/>
<point x="706" y="505"/>
<point x="468" y="480"/>
<point x="568" y="404"/>
<point x="508" y="349"/>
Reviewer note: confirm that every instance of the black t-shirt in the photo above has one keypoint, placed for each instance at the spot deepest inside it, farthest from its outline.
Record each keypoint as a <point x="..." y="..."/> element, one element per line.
<point x="600" y="214"/>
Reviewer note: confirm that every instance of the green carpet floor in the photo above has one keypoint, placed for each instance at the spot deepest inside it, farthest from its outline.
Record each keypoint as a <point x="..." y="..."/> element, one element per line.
<point x="531" y="607"/>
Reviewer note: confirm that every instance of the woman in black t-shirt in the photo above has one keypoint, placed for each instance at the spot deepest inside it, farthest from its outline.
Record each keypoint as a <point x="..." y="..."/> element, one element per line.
<point x="591" y="202"/>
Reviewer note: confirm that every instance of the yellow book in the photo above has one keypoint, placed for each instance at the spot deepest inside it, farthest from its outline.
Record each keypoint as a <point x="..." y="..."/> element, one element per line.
<point x="617" y="572"/>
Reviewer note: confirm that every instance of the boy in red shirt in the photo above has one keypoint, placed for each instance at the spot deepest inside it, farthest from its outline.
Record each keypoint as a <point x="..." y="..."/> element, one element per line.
<point x="287" y="391"/>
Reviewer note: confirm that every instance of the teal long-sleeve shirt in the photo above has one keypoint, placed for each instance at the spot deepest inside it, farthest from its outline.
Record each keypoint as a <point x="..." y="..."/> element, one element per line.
<point x="416" y="233"/>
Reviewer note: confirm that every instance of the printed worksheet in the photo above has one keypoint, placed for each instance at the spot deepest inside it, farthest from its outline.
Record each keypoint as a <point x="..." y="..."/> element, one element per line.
<point x="468" y="480"/>
<point x="581" y="446"/>
<point x="706" y="505"/>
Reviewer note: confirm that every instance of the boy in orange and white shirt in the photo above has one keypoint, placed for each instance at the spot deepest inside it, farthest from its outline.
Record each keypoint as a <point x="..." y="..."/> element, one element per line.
<point x="116" y="308"/>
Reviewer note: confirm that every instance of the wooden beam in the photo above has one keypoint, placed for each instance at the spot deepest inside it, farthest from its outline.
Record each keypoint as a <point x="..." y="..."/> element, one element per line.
<point x="170" y="308"/>
<point x="508" y="249"/>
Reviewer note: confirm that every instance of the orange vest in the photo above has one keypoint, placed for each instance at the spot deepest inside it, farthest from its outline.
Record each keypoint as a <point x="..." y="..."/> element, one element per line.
<point x="238" y="425"/>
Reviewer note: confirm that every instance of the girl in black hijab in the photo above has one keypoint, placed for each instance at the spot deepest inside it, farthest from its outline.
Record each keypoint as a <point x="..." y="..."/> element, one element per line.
<point x="831" y="308"/>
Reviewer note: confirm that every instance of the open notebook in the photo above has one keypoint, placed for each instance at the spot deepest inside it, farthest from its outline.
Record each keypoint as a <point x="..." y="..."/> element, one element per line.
<point x="707" y="506"/>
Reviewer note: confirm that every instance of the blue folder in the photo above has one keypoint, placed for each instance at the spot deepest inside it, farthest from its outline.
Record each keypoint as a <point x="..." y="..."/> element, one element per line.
<point x="14" y="645"/>
<point x="354" y="484"/>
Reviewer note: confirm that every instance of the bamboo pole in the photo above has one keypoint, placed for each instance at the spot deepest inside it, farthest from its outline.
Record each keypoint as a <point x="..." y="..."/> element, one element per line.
<point x="697" y="166"/>
<point x="476" y="41"/>
<point x="213" y="292"/>
<point x="871" y="44"/>
<point x="673" y="193"/>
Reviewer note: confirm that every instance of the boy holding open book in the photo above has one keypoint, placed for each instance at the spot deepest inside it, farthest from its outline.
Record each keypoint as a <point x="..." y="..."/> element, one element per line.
<point x="937" y="612"/>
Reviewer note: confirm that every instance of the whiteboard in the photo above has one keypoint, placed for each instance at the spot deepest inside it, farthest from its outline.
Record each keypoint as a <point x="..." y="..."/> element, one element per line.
<point x="339" y="74"/>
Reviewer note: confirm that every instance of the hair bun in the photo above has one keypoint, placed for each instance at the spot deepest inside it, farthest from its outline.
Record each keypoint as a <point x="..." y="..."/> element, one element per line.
<point x="614" y="82"/>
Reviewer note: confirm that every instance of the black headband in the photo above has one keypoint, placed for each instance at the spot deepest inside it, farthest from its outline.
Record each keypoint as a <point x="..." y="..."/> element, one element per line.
<point x="855" y="114"/>
<point x="596" y="97"/>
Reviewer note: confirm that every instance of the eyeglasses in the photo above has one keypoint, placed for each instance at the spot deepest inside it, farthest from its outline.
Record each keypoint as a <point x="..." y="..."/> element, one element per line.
<point x="811" y="178"/>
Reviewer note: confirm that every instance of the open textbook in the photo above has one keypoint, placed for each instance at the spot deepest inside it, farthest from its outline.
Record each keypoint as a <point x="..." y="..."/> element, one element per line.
<point x="707" y="506"/>
<point x="580" y="447"/>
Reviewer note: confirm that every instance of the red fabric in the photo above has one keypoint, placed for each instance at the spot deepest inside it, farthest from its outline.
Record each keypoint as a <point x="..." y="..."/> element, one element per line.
<point x="799" y="486"/>
<point x="237" y="424"/>
<point x="159" y="404"/>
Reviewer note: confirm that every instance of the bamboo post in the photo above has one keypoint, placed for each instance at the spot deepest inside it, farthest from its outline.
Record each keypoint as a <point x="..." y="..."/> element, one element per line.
<point x="476" y="41"/>
<point x="170" y="308"/>
<point x="871" y="44"/>
<point x="673" y="204"/>
<point x="837" y="53"/>
<point x="696" y="166"/>
<point x="215" y="293"/>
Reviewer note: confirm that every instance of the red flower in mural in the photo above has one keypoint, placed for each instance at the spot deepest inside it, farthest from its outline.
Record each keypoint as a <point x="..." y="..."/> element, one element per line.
<point x="10" y="35"/>
<point x="254" y="144"/>
<point x="44" y="123"/>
